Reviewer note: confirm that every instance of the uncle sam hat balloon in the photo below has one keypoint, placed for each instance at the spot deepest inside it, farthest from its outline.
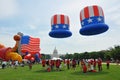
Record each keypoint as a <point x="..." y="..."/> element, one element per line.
<point x="92" y="21"/>
<point x="60" y="26"/>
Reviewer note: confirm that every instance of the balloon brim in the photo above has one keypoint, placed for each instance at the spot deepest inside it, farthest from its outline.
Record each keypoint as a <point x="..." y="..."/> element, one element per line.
<point x="60" y="33"/>
<point x="93" y="29"/>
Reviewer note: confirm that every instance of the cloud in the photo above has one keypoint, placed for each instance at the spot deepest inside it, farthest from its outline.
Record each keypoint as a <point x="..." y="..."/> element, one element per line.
<point x="6" y="38"/>
<point x="8" y="8"/>
<point x="34" y="19"/>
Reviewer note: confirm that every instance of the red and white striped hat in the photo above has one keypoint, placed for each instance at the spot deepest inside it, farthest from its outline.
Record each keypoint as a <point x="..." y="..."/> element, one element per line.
<point x="92" y="20"/>
<point x="91" y="11"/>
<point x="59" y="19"/>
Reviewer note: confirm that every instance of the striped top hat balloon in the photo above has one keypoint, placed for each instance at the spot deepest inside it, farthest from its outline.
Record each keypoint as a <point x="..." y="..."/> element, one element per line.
<point x="92" y="21"/>
<point x="60" y="26"/>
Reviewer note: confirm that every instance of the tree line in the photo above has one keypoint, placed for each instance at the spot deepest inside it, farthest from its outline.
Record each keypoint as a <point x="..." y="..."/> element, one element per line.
<point x="112" y="53"/>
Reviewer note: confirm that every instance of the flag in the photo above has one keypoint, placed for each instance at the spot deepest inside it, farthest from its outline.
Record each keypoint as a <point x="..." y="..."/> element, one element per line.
<point x="30" y="44"/>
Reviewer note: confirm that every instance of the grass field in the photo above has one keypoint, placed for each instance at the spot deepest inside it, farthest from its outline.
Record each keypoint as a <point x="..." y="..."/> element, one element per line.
<point x="38" y="73"/>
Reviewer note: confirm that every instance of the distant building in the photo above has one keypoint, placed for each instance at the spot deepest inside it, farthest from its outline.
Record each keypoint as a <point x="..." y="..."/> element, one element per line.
<point x="55" y="53"/>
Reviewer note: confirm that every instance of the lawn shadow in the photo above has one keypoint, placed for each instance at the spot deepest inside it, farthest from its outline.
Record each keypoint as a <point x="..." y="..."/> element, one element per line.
<point x="89" y="73"/>
<point x="45" y="71"/>
<point x="40" y="71"/>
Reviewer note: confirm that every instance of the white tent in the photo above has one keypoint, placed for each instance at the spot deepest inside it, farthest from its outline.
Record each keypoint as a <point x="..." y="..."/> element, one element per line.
<point x="54" y="58"/>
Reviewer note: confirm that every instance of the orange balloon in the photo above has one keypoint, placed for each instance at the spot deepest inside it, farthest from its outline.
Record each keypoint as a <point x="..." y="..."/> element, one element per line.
<point x="2" y="46"/>
<point x="16" y="37"/>
<point x="7" y="56"/>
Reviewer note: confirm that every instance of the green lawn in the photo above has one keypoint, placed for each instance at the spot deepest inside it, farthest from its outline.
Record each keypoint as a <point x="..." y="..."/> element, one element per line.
<point x="37" y="73"/>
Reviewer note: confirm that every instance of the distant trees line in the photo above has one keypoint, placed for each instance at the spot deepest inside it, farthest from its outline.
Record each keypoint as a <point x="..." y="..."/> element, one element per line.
<point x="111" y="53"/>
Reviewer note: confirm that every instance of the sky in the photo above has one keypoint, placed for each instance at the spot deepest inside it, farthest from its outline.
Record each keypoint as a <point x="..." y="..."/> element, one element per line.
<point x="33" y="17"/>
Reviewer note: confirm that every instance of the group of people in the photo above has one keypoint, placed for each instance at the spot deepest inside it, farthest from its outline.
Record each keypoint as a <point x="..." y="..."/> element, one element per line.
<point x="9" y="64"/>
<point x="91" y="65"/>
<point x="86" y="65"/>
<point x="50" y="64"/>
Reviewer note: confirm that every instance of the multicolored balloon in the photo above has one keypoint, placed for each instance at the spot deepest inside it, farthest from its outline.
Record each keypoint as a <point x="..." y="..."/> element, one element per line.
<point x="30" y="44"/>
<point x="92" y="21"/>
<point x="8" y="53"/>
<point x="60" y="26"/>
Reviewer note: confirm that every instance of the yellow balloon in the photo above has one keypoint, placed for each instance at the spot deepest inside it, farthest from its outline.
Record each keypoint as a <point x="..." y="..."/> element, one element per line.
<point x="12" y="55"/>
<point x="15" y="56"/>
<point x="19" y="58"/>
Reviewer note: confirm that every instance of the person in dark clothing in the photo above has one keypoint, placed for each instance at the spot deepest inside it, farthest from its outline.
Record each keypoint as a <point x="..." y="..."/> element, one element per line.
<point x="108" y="64"/>
<point x="99" y="64"/>
<point x="68" y="64"/>
<point x="30" y="64"/>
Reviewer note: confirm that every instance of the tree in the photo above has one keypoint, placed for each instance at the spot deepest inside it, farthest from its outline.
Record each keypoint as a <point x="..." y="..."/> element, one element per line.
<point x="62" y="56"/>
<point x="115" y="52"/>
<point x="69" y="56"/>
<point x="47" y="56"/>
<point x="93" y="55"/>
<point x="76" y="55"/>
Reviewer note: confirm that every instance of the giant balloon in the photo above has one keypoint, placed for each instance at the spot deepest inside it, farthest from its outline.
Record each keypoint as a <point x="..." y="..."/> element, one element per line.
<point x="15" y="56"/>
<point x="60" y="26"/>
<point x="7" y="53"/>
<point x="28" y="56"/>
<point x="3" y="52"/>
<point x="30" y="44"/>
<point x="37" y="57"/>
<point x="92" y="21"/>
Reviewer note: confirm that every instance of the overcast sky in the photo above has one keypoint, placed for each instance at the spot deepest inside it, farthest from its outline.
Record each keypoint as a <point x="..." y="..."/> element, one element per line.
<point x="33" y="17"/>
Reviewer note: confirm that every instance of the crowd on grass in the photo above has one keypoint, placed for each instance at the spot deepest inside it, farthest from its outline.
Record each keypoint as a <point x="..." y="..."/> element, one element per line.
<point x="85" y="65"/>
<point x="5" y="64"/>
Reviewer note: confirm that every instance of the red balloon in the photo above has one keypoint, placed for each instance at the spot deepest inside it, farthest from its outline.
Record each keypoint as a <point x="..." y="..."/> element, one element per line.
<point x="3" y="52"/>
<point x="28" y="56"/>
<point x="32" y="59"/>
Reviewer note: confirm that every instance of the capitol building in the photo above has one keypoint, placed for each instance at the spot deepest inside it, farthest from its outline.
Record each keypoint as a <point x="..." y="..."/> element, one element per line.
<point x="55" y="53"/>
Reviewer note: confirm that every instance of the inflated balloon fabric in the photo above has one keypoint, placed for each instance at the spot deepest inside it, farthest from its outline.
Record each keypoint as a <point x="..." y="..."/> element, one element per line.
<point x="92" y="21"/>
<point x="60" y="26"/>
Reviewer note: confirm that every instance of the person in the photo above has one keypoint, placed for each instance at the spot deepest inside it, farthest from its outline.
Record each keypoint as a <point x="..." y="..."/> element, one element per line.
<point x="68" y="64"/>
<point x="15" y="64"/>
<point x="89" y="68"/>
<point x="30" y="64"/>
<point x="84" y="68"/>
<point x="3" y="64"/>
<point x="99" y="64"/>
<point x="74" y="64"/>
<point x="91" y="65"/>
<point x="48" y="65"/>
<point x="48" y="69"/>
<point x="52" y="64"/>
<point x="117" y="62"/>
<point x="57" y="64"/>
<point x="94" y="64"/>
<point x="108" y="64"/>
<point x="82" y="64"/>
<point x="65" y="64"/>
<point x="43" y="62"/>
<point x="22" y="64"/>
<point x="78" y="62"/>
